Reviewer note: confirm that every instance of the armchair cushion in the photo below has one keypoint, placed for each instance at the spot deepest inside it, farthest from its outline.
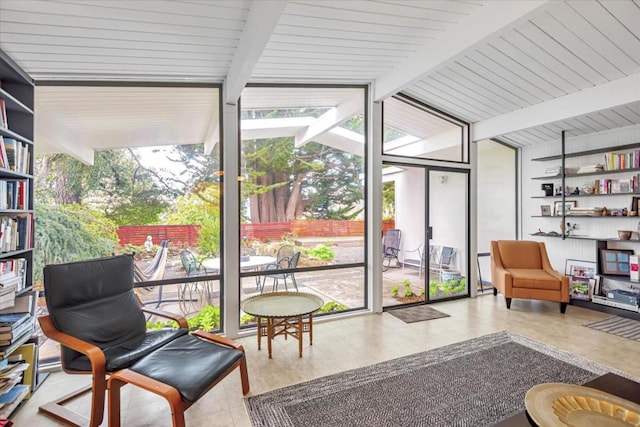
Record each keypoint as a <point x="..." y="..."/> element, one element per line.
<point x="534" y="279"/>
<point x="125" y="354"/>
<point x="207" y="362"/>
<point x="520" y="254"/>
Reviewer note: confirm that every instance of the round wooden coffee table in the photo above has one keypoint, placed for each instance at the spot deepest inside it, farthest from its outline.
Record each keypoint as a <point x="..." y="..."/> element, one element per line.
<point x="287" y="314"/>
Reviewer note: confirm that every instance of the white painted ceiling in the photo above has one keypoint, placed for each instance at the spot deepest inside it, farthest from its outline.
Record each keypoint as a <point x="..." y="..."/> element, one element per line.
<point x="519" y="70"/>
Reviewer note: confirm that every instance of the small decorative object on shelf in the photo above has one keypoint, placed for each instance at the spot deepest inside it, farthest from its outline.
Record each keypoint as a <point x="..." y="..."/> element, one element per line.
<point x="624" y="234"/>
<point x="545" y="210"/>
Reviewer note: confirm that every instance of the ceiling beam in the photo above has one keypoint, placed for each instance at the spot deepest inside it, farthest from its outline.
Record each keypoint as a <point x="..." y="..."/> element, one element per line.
<point x="330" y="119"/>
<point x="65" y="141"/>
<point x="212" y="137"/>
<point x="490" y="20"/>
<point x="261" y="21"/>
<point x="603" y="97"/>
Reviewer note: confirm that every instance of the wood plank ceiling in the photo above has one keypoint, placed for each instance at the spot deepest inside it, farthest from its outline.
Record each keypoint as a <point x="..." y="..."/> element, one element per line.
<point x="551" y="51"/>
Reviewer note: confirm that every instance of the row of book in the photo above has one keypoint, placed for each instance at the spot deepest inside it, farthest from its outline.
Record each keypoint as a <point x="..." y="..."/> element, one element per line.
<point x="13" y="327"/>
<point x="616" y="161"/>
<point x="12" y="279"/>
<point x="14" y="155"/>
<point x="614" y="186"/>
<point x="14" y="194"/>
<point x="18" y="367"/>
<point x="16" y="232"/>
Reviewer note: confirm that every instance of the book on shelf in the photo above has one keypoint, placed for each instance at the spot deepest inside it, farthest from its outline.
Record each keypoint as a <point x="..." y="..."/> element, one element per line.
<point x="18" y="156"/>
<point x="16" y="232"/>
<point x="596" y="167"/>
<point x="8" y="338"/>
<point x="10" y="321"/>
<point x="617" y="161"/>
<point x="13" y="399"/>
<point x="14" y="194"/>
<point x="29" y="353"/>
<point x="4" y="123"/>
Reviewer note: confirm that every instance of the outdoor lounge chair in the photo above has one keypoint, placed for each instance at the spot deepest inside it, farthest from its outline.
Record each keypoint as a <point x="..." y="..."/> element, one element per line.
<point x="99" y="322"/>
<point x="155" y="271"/>
<point x="391" y="248"/>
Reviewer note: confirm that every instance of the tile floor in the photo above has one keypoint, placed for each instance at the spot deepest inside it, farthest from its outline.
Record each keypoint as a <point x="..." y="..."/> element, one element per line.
<point x="356" y="341"/>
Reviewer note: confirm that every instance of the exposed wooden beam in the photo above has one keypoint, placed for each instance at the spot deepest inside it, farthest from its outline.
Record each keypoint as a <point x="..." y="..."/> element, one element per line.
<point x="330" y="119"/>
<point x="490" y="20"/>
<point x="603" y="97"/>
<point x="261" y="21"/>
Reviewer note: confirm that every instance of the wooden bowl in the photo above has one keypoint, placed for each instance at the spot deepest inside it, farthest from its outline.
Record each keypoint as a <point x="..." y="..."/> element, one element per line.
<point x="624" y="234"/>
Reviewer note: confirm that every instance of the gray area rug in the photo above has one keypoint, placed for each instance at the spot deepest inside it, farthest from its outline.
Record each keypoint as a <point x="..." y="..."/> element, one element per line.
<point x="620" y="326"/>
<point x="416" y="313"/>
<point x="473" y="383"/>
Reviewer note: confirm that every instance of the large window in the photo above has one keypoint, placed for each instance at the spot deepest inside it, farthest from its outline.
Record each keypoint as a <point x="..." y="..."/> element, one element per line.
<point x="414" y="130"/>
<point x="302" y="193"/>
<point x="133" y="170"/>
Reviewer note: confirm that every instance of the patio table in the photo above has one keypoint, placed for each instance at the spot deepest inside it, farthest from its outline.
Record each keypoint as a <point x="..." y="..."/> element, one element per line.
<point x="254" y="261"/>
<point x="285" y="313"/>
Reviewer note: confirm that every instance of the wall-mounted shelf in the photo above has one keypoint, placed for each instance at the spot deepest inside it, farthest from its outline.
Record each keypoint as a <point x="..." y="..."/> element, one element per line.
<point x="589" y="152"/>
<point x="586" y="195"/>
<point x="576" y="175"/>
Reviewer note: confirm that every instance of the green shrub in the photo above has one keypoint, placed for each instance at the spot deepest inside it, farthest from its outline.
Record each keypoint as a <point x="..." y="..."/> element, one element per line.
<point x="394" y="291"/>
<point x="332" y="306"/>
<point x="245" y="319"/>
<point x="207" y="319"/>
<point x="321" y="252"/>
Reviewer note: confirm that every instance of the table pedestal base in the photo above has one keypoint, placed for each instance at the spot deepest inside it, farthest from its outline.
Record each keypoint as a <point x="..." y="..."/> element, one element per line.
<point x="294" y="327"/>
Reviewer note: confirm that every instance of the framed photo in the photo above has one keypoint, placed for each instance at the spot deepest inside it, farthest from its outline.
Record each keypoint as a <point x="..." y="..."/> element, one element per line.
<point x="545" y="210"/>
<point x="577" y="268"/>
<point x="615" y="261"/>
<point x="568" y="204"/>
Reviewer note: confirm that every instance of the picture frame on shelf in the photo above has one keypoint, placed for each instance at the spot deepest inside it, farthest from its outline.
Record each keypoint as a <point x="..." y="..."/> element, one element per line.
<point x="568" y="204"/>
<point x="615" y="261"/>
<point x="545" y="210"/>
<point x="595" y="286"/>
<point x="579" y="268"/>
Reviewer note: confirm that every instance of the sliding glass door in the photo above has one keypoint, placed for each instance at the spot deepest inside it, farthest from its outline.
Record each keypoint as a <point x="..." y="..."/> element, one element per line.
<point x="448" y="232"/>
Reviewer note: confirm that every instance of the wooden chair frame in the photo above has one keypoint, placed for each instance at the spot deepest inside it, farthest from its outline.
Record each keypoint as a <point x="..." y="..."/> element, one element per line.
<point x="98" y="371"/>
<point x="176" y="403"/>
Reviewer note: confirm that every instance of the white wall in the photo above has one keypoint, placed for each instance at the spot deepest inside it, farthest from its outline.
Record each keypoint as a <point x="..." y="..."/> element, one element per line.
<point x="410" y="205"/>
<point x="496" y="198"/>
<point x="560" y="250"/>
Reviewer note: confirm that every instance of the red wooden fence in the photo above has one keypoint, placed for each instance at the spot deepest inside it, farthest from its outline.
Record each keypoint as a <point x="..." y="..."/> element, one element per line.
<point x="188" y="234"/>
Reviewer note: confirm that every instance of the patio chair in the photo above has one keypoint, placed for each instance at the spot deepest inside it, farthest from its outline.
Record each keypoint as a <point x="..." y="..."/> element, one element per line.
<point x="99" y="322"/>
<point x="200" y="291"/>
<point x="391" y="248"/>
<point x="444" y="261"/>
<point x="417" y="261"/>
<point x="285" y="264"/>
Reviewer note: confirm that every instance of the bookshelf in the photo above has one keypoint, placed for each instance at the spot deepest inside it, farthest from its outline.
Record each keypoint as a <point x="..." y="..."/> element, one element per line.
<point x="16" y="199"/>
<point x="621" y="161"/>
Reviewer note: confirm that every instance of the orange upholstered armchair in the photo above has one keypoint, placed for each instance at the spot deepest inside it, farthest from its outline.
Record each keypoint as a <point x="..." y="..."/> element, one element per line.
<point x="521" y="269"/>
